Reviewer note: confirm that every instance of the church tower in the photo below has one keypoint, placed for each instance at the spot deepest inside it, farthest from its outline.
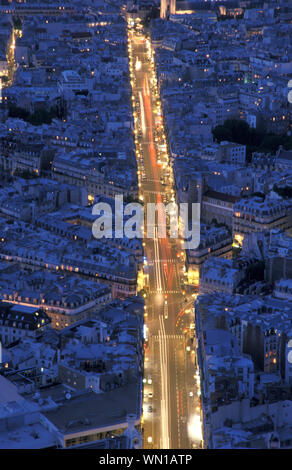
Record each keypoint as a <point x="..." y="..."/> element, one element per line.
<point x="167" y="7"/>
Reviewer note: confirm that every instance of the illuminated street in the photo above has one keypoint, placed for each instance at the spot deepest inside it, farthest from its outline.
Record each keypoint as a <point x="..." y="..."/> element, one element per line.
<point x="146" y="228"/>
<point x="171" y="409"/>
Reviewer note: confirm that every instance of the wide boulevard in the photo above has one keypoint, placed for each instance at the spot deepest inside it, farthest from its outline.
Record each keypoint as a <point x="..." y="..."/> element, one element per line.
<point x="171" y="404"/>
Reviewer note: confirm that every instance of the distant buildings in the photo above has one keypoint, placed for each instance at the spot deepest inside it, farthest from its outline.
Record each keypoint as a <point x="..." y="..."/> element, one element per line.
<point x="70" y="81"/>
<point x="24" y="157"/>
<point x="71" y="323"/>
<point x="218" y="207"/>
<point x="94" y="369"/>
<point x="278" y="258"/>
<point x="214" y="241"/>
<point x="258" y="214"/>
<point x="242" y="347"/>
<point x="96" y="174"/>
<point x="232" y="153"/>
<point x="62" y="419"/>
<point x="19" y="321"/>
<point x="243" y="312"/>
<point x="65" y="300"/>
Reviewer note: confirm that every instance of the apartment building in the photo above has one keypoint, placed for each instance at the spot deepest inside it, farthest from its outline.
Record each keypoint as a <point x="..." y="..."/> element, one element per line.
<point x="257" y="214"/>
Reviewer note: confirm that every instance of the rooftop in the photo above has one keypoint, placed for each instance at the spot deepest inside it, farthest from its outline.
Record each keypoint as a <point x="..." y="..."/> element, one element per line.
<point x="89" y="410"/>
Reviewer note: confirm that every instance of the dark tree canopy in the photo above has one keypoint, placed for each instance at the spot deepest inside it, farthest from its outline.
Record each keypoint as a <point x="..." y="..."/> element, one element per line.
<point x="238" y="131"/>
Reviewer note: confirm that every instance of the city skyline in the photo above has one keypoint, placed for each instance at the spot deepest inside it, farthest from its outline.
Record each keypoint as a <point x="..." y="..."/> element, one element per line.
<point x="146" y="225"/>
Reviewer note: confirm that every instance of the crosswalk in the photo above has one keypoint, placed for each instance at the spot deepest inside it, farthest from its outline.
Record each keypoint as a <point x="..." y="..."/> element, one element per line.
<point x="166" y="292"/>
<point x="158" y="337"/>
<point x="168" y="261"/>
<point x="145" y="191"/>
<point x="149" y="180"/>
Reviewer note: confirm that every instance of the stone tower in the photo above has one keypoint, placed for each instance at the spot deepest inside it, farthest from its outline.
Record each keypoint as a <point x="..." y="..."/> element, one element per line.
<point x="167" y="7"/>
